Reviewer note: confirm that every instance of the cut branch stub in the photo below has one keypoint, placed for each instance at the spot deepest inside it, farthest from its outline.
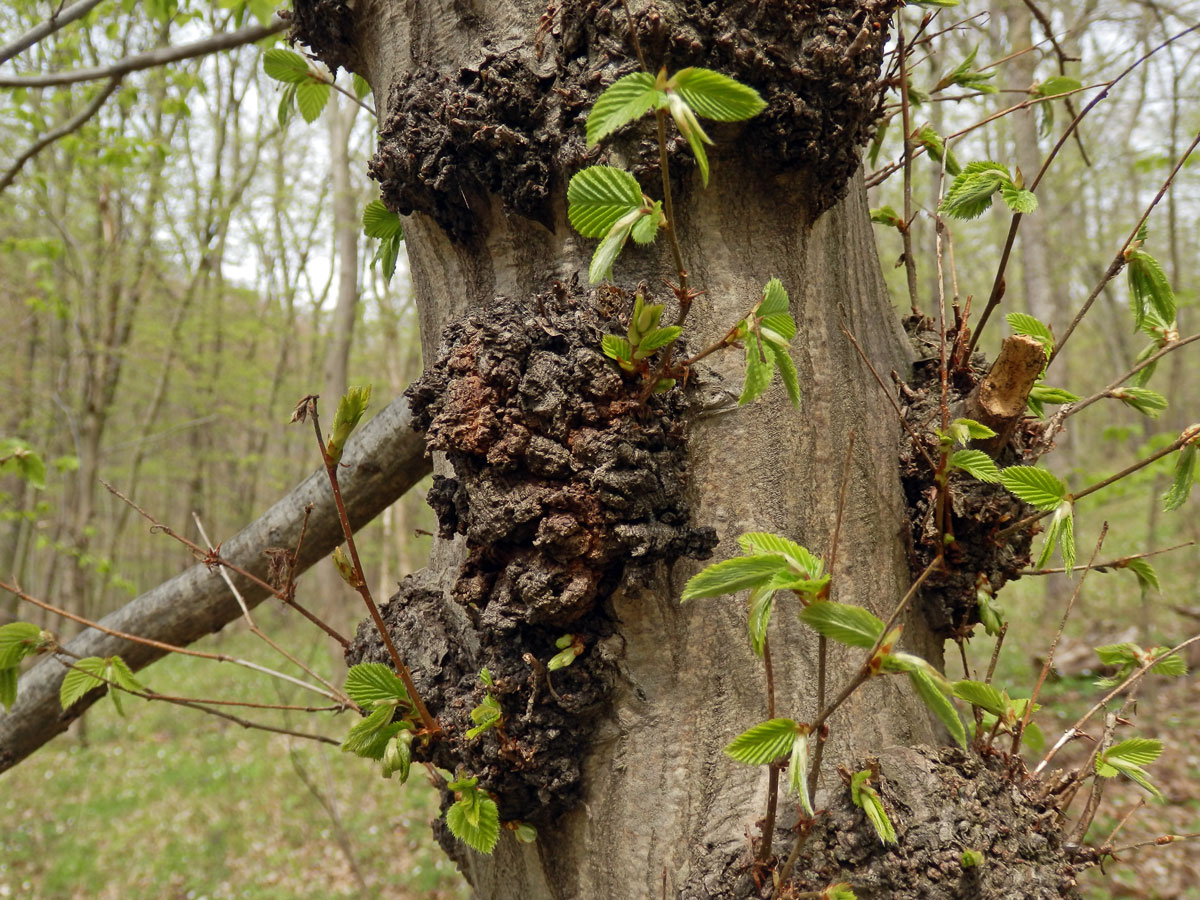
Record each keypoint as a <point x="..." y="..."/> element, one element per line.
<point x="998" y="401"/>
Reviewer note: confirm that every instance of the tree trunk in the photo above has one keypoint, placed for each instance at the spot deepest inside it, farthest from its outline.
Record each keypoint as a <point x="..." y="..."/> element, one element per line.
<point x="481" y="131"/>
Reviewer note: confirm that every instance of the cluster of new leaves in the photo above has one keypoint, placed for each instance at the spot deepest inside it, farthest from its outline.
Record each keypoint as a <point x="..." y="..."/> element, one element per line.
<point x="772" y="563"/>
<point x="349" y="412"/>
<point x="689" y="93"/>
<point x="1041" y="394"/>
<point x="864" y="796"/>
<point x="569" y="647"/>
<point x="381" y="223"/>
<point x="1000" y="712"/>
<point x="1127" y="758"/>
<point x="1041" y="490"/>
<point x="606" y="202"/>
<point x="966" y="76"/>
<point x="975" y="463"/>
<point x="488" y="713"/>
<point x="772" y="740"/>
<point x="1128" y="657"/>
<point x="17" y="641"/>
<point x="381" y="734"/>
<point x="19" y="458"/>
<point x="970" y="195"/>
<point x="767" y="332"/>
<point x="1152" y="303"/>
<point x="98" y="671"/>
<point x="473" y="818"/>
<point x="1185" y="470"/>
<point x="644" y="337"/>
<point x="308" y="86"/>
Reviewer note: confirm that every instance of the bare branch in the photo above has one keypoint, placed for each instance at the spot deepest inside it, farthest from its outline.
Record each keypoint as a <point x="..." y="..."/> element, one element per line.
<point x="73" y="124"/>
<point x="160" y="56"/>
<point x="47" y="28"/>
<point x="383" y="460"/>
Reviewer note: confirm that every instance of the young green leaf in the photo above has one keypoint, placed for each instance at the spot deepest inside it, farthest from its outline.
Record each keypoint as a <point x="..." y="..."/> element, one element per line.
<point x="397" y="756"/>
<point x="1173" y="666"/>
<point x="765" y="742"/>
<point x="732" y="575"/>
<point x="380" y="222"/>
<point x="350" y="410"/>
<point x="965" y="76"/>
<point x="474" y="819"/>
<point x="85" y="675"/>
<point x="961" y="431"/>
<point x="774" y="299"/>
<point x="18" y="456"/>
<point x="1181" y="482"/>
<point x="885" y="215"/>
<point x="798" y="770"/>
<point x="525" y="833"/>
<point x="866" y="798"/>
<point x="285" y="65"/>
<point x="18" y="640"/>
<point x="1147" y="402"/>
<point x="800" y="559"/>
<point x="618" y="348"/>
<point x="120" y="674"/>
<point x="361" y="86"/>
<point x="975" y="463"/>
<point x="936" y="148"/>
<point x="369" y="737"/>
<point x="645" y="229"/>
<point x="609" y="248"/>
<point x="1022" y="323"/>
<point x="1041" y="394"/>
<point x="1060" y="532"/>
<point x="851" y="625"/>
<point x="760" y="367"/>
<point x="689" y="127"/>
<point x="1055" y="85"/>
<point x="928" y="690"/>
<point x="716" y="96"/>
<point x="841" y="890"/>
<point x="311" y="97"/>
<point x="970" y="859"/>
<point x="1145" y="574"/>
<point x="656" y="340"/>
<point x="970" y="194"/>
<point x="982" y="695"/>
<point x="1019" y="200"/>
<point x="1150" y="292"/>
<point x="287" y="102"/>
<point x="8" y="688"/>
<point x="371" y="683"/>
<point x="626" y="99"/>
<point x="1127" y="758"/>
<point x="486" y="715"/>
<point x="600" y="196"/>
<point x="787" y="374"/>
<point x="1035" y="486"/>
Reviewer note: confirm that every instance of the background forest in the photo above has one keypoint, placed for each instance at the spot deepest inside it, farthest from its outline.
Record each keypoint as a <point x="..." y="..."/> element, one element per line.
<point x="180" y="269"/>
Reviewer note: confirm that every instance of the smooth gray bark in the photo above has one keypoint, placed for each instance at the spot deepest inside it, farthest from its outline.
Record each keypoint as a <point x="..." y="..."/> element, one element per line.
<point x="383" y="460"/>
<point x="660" y="797"/>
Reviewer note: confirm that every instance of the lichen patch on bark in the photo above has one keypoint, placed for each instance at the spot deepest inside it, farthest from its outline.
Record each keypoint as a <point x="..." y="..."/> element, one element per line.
<point x="564" y="486"/>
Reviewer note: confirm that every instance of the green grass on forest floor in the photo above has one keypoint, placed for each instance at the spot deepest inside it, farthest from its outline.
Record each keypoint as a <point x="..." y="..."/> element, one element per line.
<point x="172" y="803"/>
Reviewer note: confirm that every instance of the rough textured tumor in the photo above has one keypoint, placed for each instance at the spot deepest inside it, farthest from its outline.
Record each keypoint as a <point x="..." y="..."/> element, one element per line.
<point x="564" y="486"/>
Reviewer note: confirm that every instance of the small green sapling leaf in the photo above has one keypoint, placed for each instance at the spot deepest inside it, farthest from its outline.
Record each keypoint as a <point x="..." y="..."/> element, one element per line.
<point x="765" y="742"/>
<point x="975" y="463"/>
<point x="350" y="410"/>
<point x="474" y="818"/>
<point x="18" y="640"/>
<point x="1037" y="487"/>
<point x="841" y="622"/>
<point x="867" y="799"/>
<point x="370" y="683"/>
<point x="1185" y="472"/>
<point x="626" y="99"/>
<point x="731" y="576"/>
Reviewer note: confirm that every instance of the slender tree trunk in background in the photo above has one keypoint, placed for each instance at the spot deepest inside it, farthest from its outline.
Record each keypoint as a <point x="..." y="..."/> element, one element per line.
<point x="330" y="587"/>
<point x="689" y="680"/>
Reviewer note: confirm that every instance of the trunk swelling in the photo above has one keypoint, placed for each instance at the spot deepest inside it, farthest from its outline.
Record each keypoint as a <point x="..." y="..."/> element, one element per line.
<point x="659" y="797"/>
